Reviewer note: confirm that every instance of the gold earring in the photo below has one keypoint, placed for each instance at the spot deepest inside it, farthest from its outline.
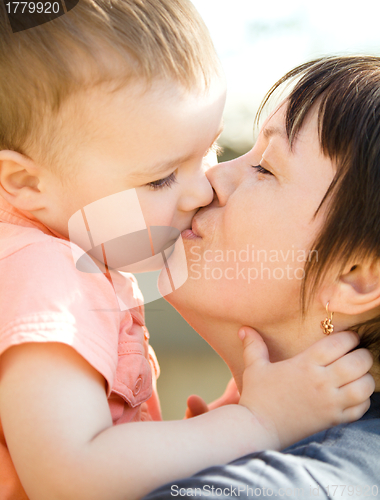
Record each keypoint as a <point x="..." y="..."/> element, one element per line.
<point x="326" y="324"/>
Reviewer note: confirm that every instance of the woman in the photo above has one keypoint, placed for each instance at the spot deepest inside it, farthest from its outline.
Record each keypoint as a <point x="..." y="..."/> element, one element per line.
<point x="291" y="238"/>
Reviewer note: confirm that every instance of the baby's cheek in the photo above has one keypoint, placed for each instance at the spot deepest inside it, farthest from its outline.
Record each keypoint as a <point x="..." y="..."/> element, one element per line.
<point x="158" y="207"/>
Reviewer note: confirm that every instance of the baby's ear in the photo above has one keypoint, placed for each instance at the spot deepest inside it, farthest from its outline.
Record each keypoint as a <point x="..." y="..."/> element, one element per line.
<point x="19" y="180"/>
<point x="357" y="291"/>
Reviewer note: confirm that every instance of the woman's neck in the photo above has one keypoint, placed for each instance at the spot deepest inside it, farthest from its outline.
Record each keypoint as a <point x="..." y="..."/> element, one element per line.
<point x="283" y="341"/>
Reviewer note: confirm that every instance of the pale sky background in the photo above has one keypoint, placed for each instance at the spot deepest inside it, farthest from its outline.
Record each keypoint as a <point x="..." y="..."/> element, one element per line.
<point x="258" y="42"/>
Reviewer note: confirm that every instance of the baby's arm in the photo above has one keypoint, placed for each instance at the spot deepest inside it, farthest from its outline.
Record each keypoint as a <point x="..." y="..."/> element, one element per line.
<point x="58" y="426"/>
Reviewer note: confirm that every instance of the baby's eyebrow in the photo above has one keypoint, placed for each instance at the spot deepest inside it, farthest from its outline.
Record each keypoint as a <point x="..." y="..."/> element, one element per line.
<point x="164" y="166"/>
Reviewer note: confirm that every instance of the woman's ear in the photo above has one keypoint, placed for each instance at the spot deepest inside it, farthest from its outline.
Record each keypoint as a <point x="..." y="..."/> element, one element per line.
<point x="19" y="181"/>
<point x="356" y="291"/>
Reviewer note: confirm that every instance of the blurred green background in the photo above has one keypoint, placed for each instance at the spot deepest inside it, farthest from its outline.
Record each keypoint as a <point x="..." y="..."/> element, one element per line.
<point x="257" y="43"/>
<point x="188" y="364"/>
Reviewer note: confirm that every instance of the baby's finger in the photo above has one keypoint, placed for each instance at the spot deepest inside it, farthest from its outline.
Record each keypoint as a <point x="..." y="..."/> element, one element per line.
<point x="350" y="367"/>
<point x="255" y="349"/>
<point x="195" y="406"/>
<point x="355" y="412"/>
<point x="331" y="348"/>
<point x="357" y="392"/>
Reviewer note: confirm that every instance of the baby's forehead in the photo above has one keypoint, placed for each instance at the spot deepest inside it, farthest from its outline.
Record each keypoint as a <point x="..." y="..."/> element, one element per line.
<point x="134" y="97"/>
<point x="127" y="121"/>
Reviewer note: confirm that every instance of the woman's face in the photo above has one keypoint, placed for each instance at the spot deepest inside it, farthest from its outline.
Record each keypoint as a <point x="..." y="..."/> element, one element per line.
<point x="247" y="250"/>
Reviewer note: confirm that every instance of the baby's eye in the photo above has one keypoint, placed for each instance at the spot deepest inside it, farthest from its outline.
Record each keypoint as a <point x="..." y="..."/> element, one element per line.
<point x="261" y="169"/>
<point x="162" y="183"/>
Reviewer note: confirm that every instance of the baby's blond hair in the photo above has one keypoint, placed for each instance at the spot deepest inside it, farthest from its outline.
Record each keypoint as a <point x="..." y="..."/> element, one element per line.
<point x="98" y="42"/>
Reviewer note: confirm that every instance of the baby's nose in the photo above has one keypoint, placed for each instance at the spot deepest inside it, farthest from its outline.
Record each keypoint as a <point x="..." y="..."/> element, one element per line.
<point x="199" y="193"/>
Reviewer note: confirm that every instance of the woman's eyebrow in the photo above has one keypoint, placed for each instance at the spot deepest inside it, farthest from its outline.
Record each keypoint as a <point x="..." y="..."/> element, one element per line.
<point x="269" y="132"/>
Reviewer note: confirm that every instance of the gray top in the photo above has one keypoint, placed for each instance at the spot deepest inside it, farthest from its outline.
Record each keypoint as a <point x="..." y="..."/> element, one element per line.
<point x="342" y="462"/>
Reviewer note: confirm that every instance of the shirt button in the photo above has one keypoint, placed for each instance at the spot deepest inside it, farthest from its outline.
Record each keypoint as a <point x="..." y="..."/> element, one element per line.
<point x="138" y="386"/>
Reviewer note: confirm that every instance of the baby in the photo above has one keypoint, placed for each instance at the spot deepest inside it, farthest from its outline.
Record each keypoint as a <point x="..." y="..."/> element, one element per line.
<point x="116" y="100"/>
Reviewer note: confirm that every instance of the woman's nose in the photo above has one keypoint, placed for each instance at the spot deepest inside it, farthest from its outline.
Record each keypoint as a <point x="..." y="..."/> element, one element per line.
<point x="224" y="178"/>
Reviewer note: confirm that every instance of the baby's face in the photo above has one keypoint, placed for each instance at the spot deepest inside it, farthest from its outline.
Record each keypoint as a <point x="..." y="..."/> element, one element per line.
<point x="159" y="142"/>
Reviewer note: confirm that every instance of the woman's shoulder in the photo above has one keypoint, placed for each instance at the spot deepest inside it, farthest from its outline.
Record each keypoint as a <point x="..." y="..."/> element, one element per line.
<point x="341" y="461"/>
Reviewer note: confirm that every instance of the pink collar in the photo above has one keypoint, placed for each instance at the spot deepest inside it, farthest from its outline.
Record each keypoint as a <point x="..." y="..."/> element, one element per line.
<point x="12" y="215"/>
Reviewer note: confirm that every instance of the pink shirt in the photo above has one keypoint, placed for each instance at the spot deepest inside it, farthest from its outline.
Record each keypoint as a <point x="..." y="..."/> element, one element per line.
<point x="44" y="298"/>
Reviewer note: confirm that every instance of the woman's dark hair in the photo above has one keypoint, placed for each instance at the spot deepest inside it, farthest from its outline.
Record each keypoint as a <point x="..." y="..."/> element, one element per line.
<point x="346" y="92"/>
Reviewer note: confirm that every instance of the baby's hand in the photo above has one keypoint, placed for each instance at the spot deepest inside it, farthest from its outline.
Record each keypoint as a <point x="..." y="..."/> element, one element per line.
<point x="321" y="387"/>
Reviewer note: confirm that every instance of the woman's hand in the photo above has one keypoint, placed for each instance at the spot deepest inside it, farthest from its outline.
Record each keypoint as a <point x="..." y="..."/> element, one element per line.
<point x="197" y="405"/>
<point x="321" y="387"/>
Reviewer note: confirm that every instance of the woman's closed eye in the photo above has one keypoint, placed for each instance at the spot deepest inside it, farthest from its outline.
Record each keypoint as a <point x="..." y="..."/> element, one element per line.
<point x="261" y="169"/>
<point x="163" y="183"/>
